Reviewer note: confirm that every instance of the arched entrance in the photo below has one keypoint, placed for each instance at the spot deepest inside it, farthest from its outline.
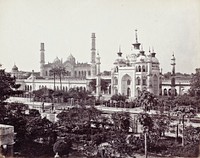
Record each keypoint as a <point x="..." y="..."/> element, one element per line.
<point x="126" y="85"/>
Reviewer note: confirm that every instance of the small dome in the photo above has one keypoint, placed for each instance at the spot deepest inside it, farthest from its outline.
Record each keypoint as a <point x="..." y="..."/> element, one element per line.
<point x="154" y="60"/>
<point x="141" y="58"/>
<point x="15" y="68"/>
<point x="120" y="60"/>
<point x="56" y="60"/>
<point x="70" y="57"/>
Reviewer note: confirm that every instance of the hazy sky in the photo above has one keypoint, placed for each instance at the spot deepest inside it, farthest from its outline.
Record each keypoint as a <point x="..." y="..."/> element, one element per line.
<point x="65" y="26"/>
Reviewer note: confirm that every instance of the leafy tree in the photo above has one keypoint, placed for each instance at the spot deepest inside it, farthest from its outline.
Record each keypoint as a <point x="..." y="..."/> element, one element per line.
<point x="161" y="123"/>
<point x="8" y="85"/>
<point x="121" y="121"/>
<point x="43" y="93"/>
<point x="195" y="83"/>
<point x="39" y="128"/>
<point x="192" y="135"/>
<point x="118" y="97"/>
<point x="104" y="84"/>
<point x="58" y="70"/>
<point x="146" y="100"/>
<point x="62" y="147"/>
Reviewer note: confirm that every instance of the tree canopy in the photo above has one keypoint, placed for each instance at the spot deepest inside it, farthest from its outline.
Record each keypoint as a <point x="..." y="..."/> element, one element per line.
<point x="195" y="83"/>
<point x="8" y="86"/>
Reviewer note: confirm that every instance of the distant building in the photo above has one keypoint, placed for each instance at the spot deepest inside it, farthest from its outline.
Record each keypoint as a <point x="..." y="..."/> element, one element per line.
<point x="136" y="72"/>
<point x="77" y="75"/>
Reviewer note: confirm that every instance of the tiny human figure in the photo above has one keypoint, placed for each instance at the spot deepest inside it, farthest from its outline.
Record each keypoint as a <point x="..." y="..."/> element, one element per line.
<point x="43" y="106"/>
<point x="52" y="107"/>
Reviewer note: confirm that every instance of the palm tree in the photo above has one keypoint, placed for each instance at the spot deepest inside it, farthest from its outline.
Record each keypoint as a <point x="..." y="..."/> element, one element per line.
<point x="147" y="124"/>
<point x="58" y="70"/>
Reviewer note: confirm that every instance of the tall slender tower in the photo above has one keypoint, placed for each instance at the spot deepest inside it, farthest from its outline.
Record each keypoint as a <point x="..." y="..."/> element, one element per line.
<point x="42" y="59"/>
<point x="173" y="63"/>
<point x="98" y="78"/>
<point x="93" y="55"/>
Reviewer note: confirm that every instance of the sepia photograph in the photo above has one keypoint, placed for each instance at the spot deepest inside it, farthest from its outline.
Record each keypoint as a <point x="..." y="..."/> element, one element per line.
<point x="99" y="79"/>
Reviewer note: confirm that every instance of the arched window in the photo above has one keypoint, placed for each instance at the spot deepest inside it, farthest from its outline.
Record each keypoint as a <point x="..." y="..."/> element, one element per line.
<point x="128" y="82"/>
<point x="143" y="68"/>
<point x="46" y="73"/>
<point x="139" y="68"/>
<point x="144" y="81"/>
<point x="165" y="92"/>
<point x="169" y="92"/>
<point x="138" y="81"/>
<point x="30" y="88"/>
<point x="75" y="74"/>
<point x="89" y="73"/>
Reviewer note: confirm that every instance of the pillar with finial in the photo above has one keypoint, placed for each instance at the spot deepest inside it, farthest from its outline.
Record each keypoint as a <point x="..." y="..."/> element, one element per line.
<point x="173" y="63"/>
<point x="98" y="77"/>
<point x="93" y="55"/>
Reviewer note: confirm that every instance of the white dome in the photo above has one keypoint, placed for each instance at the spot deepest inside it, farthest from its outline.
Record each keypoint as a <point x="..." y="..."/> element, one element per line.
<point x="154" y="60"/>
<point x="56" y="60"/>
<point x="141" y="58"/>
<point x="15" y="68"/>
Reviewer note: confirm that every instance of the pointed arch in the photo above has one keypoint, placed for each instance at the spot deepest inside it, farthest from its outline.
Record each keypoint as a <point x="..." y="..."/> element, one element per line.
<point x="143" y="68"/>
<point x="139" y="68"/>
<point x="138" y="81"/>
<point x="126" y="85"/>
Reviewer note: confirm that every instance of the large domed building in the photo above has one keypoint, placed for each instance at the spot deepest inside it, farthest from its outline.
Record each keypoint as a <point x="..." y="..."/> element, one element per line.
<point x="139" y="71"/>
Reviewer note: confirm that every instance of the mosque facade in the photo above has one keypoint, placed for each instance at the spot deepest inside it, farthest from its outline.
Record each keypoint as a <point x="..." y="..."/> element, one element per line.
<point x="137" y="72"/>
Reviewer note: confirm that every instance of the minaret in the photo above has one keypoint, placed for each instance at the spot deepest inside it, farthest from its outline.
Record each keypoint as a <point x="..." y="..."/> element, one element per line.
<point x="149" y="72"/>
<point x="42" y="59"/>
<point x="93" y="55"/>
<point x="98" y="78"/>
<point x="136" y="44"/>
<point x="173" y="63"/>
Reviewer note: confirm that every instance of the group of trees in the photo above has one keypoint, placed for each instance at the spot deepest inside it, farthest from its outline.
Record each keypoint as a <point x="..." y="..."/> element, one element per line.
<point x="89" y="131"/>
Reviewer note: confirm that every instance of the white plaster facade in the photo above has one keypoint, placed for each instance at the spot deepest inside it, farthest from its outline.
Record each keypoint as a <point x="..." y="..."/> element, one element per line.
<point x="136" y="73"/>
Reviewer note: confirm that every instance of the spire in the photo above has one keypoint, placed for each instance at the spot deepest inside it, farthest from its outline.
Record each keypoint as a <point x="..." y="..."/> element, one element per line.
<point x="136" y="38"/>
<point x="136" y="44"/>
<point x="149" y="49"/>
<point x="119" y="48"/>
<point x="153" y="54"/>
<point x="119" y="53"/>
